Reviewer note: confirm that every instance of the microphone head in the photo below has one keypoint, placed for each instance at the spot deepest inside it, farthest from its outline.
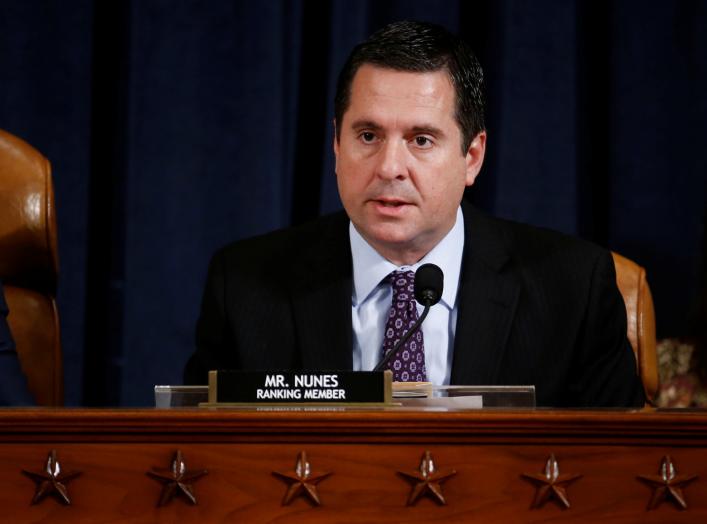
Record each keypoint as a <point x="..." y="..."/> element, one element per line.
<point x="429" y="283"/>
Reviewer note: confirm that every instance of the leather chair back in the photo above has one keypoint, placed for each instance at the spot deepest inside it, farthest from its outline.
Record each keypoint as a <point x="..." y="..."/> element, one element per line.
<point x="29" y="265"/>
<point x="640" y="314"/>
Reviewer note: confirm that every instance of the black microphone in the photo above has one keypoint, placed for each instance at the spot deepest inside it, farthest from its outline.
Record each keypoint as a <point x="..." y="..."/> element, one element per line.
<point x="429" y="283"/>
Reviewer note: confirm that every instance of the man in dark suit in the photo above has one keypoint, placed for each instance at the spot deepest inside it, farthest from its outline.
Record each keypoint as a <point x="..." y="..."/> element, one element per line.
<point x="521" y="305"/>
<point x="13" y="385"/>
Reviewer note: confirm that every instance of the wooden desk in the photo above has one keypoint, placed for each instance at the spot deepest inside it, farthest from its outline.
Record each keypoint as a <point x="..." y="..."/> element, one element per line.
<point x="363" y="450"/>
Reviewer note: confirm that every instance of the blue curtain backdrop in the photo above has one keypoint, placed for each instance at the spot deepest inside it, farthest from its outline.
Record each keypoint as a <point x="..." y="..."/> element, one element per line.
<point x="175" y="127"/>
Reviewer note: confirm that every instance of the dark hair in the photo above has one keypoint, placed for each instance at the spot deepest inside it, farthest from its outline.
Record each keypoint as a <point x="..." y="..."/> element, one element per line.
<point x="421" y="47"/>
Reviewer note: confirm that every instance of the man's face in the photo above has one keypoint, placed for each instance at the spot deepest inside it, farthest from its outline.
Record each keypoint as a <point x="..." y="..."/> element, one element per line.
<point x="399" y="166"/>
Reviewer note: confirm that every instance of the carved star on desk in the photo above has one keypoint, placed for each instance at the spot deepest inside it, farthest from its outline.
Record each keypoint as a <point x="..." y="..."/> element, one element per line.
<point x="52" y="480"/>
<point x="550" y="484"/>
<point x="667" y="485"/>
<point x="176" y="479"/>
<point x="302" y="481"/>
<point x="427" y="480"/>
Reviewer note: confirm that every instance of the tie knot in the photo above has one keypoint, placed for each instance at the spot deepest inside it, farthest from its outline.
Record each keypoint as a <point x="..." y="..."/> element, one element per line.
<point x="403" y="283"/>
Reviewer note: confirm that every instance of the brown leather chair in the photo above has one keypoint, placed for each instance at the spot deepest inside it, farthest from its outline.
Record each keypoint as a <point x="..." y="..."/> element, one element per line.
<point x="29" y="265"/>
<point x="631" y="280"/>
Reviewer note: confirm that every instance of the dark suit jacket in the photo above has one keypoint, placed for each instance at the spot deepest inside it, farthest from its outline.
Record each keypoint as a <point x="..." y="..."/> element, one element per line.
<point x="13" y="385"/>
<point x="535" y="307"/>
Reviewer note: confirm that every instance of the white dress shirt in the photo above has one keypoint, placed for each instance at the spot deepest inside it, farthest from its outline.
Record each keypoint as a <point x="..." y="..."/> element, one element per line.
<point x="371" y="300"/>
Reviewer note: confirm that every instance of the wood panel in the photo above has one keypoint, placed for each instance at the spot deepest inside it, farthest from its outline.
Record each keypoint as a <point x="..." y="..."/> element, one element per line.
<point x="363" y="450"/>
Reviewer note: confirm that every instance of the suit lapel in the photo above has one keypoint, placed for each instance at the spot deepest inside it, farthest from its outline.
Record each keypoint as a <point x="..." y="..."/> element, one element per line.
<point x="488" y="296"/>
<point x="321" y="298"/>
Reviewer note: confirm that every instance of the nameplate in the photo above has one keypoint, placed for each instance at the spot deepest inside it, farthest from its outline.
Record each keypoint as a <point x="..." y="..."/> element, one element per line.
<point x="297" y="387"/>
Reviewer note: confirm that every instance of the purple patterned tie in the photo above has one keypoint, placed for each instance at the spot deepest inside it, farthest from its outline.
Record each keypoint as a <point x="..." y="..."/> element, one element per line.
<point x="409" y="364"/>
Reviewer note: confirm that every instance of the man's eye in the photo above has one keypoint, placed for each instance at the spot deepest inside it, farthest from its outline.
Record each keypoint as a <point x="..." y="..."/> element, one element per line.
<point x="367" y="136"/>
<point x="423" y="141"/>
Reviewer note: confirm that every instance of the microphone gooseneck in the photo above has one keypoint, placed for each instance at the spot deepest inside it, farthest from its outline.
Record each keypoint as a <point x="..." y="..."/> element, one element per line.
<point x="429" y="283"/>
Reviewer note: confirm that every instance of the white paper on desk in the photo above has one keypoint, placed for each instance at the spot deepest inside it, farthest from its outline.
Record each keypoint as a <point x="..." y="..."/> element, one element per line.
<point x="461" y="402"/>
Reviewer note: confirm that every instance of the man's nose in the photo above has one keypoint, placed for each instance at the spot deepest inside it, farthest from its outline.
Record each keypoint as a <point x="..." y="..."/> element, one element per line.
<point x="392" y="160"/>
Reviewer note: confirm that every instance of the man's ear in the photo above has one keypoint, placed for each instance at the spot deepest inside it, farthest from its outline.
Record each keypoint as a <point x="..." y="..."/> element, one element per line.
<point x="336" y="147"/>
<point x="475" y="157"/>
<point x="336" y="140"/>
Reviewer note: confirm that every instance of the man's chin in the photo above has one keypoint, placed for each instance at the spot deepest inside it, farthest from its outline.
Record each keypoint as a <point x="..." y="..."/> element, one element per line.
<point x="390" y="238"/>
<point x="392" y="233"/>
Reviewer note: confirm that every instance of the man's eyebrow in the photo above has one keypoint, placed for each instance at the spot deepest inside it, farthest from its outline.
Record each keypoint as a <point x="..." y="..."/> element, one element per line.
<point x="427" y="129"/>
<point x="365" y="124"/>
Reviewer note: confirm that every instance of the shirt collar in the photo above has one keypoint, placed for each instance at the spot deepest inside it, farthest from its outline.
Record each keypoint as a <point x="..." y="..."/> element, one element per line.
<point x="370" y="268"/>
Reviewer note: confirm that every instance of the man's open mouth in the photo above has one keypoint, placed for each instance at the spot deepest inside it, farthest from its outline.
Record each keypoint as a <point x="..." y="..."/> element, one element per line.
<point x="392" y="203"/>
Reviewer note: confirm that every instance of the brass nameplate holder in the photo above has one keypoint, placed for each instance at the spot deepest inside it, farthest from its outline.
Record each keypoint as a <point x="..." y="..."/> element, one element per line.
<point x="300" y="388"/>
